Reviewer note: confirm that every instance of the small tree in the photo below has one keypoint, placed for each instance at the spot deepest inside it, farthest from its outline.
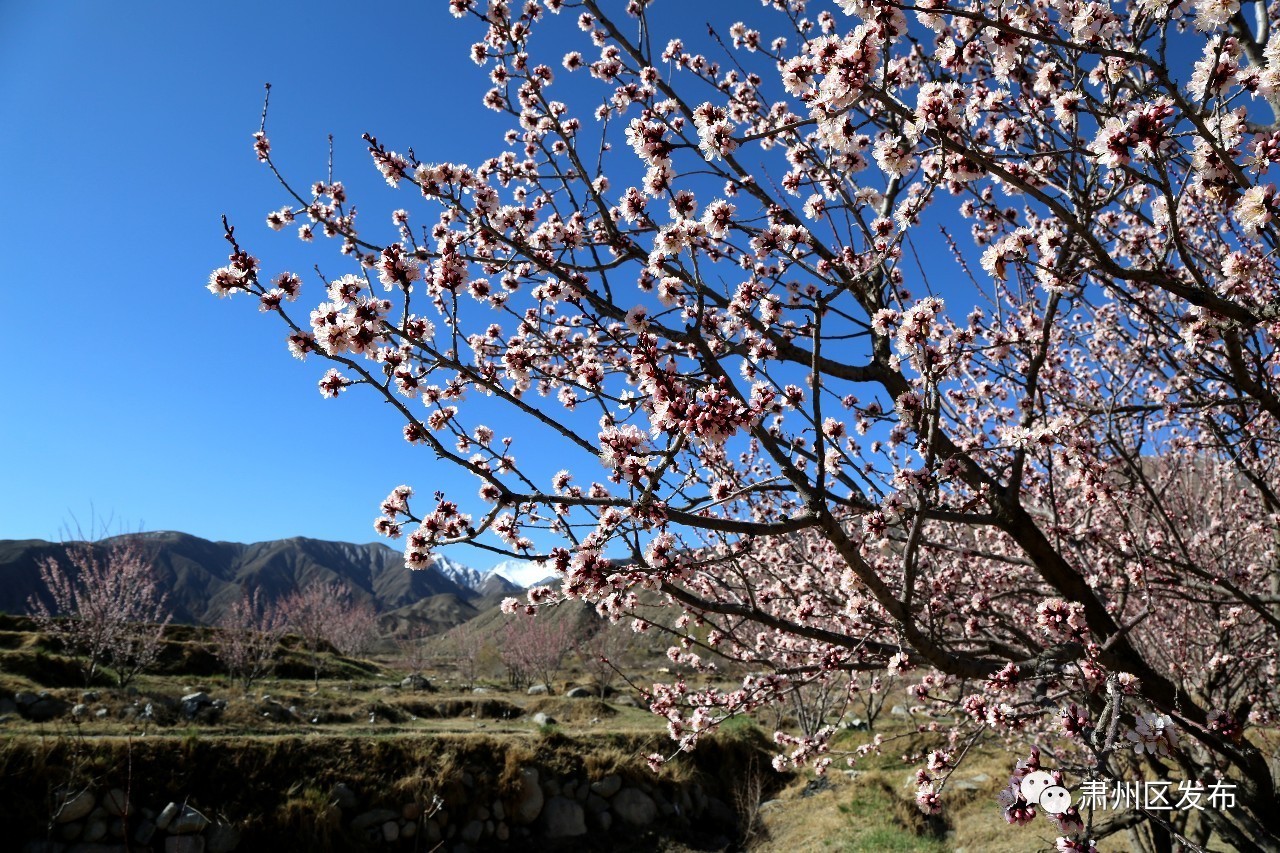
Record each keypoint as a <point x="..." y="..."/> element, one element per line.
<point x="106" y="606"/>
<point x="535" y="648"/>
<point x="467" y="645"/>
<point x="325" y="615"/>
<point x="413" y="649"/>
<point x="248" y="637"/>
<point x="604" y="653"/>
<point x="355" y="630"/>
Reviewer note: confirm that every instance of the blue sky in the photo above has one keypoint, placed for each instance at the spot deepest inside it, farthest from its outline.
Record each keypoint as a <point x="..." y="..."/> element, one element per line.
<point x="124" y="135"/>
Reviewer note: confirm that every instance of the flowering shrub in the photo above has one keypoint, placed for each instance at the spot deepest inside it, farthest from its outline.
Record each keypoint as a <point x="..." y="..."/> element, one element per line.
<point x="102" y="600"/>
<point x="934" y="340"/>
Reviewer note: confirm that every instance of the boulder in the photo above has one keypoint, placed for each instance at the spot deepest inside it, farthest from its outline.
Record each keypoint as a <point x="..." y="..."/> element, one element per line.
<point x="608" y="786"/>
<point x="192" y="704"/>
<point x="40" y="707"/>
<point x="221" y="838"/>
<point x="94" y="830"/>
<point x="541" y="719"/>
<point x="563" y="818"/>
<point x="277" y="713"/>
<point x="538" y="690"/>
<point x="184" y="844"/>
<point x="116" y="802"/>
<point x="634" y="807"/>
<point x="391" y="831"/>
<point x="343" y="797"/>
<point x="373" y="817"/>
<point x="472" y="831"/>
<point x="145" y="832"/>
<point x="74" y="806"/>
<point x="580" y="693"/>
<point x="527" y="803"/>
<point x="166" y="816"/>
<point x="188" y="822"/>
<point x="415" y="681"/>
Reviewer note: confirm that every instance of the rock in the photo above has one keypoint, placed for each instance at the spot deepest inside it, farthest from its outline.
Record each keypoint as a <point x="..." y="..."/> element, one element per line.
<point x="856" y="724"/>
<point x="898" y="710"/>
<point x="596" y="805"/>
<point x="391" y="831"/>
<point x="277" y="713"/>
<point x="627" y="701"/>
<point x="472" y="831"/>
<point x="221" y="838"/>
<point x="184" y="844"/>
<point x="79" y="710"/>
<point x="166" y="816"/>
<point x="145" y="832"/>
<point x="579" y="693"/>
<point x="116" y="802"/>
<point x="119" y="828"/>
<point x="608" y="786"/>
<point x="74" y="806"/>
<point x="816" y="786"/>
<point x="538" y="690"/>
<point x="602" y="821"/>
<point x="41" y="707"/>
<point x="408" y="830"/>
<point x="770" y="806"/>
<point x="411" y="812"/>
<point x="71" y="831"/>
<point x="188" y="822"/>
<point x="95" y="830"/>
<point x="373" y="817"/>
<point x="101" y="713"/>
<point x="498" y="812"/>
<point x="343" y="797"/>
<point x="541" y="719"/>
<point x="528" y="800"/>
<point x="718" y="811"/>
<point x="192" y="703"/>
<point x="563" y="818"/>
<point x="480" y="690"/>
<point x="634" y="806"/>
<point x="89" y="696"/>
<point x="415" y="681"/>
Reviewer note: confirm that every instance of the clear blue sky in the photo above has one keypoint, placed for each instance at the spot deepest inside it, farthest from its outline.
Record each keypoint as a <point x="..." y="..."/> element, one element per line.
<point x="124" y="135"/>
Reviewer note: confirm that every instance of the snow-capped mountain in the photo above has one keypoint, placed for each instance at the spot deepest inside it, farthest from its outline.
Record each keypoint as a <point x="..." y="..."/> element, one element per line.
<point x="461" y="574"/>
<point x="522" y="573"/>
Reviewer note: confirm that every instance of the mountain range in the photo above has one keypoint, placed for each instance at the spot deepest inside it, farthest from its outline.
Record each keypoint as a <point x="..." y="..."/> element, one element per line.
<point x="202" y="578"/>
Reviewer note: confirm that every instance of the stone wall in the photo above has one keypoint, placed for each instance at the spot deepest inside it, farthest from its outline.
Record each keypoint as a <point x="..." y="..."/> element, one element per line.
<point x="462" y="793"/>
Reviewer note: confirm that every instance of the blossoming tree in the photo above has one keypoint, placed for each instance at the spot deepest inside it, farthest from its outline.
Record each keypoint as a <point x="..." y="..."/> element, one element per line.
<point x="934" y="339"/>
<point x="106" y="605"/>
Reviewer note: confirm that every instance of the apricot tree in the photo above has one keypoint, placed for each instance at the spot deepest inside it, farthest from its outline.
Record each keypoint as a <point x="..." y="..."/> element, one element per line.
<point x="933" y="339"/>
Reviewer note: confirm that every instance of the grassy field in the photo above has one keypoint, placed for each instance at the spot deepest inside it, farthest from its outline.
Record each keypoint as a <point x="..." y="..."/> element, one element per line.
<point x="357" y="704"/>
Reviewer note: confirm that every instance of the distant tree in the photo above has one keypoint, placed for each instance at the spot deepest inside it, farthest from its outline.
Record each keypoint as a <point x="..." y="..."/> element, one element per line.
<point x="325" y="615"/>
<point x="467" y="646"/>
<point x="413" y="649"/>
<point x="355" y="629"/>
<point x="106" y="606"/>
<point x="604" y="653"/>
<point x="248" y="637"/>
<point x="535" y="647"/>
